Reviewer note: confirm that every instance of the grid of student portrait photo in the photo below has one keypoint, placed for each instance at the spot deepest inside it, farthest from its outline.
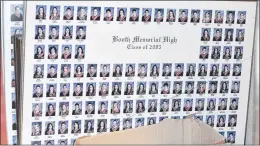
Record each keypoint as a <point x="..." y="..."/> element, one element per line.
<point x="72" y="97"/>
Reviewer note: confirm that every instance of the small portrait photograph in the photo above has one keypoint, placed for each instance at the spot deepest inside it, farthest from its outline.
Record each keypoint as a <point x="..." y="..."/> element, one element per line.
<point x="151" y="120"/>
<point x="158" y="15"/>
<point x="232" y="120"/>
<point x="240" y="34"/>
<point x="183" y="15"/>
<point x="49" y="142"/>
<point x="199" y="118"/>
<point x="50" y="109"/>
<point x="165" y="87"/>
<point x="210" y="120"/>
<point x="63" y="142"/>
<point x="204" y="52"/>
<point x="235" y="86"/>
<point x="152" y="105"/>
<point x="219" y="16"/>
<point x="38" y="71"/>
<point x="102" y="107"/>
<point x="16" y="12"/>
<point x="221" y="120"/>
<point x="40" y="32"/>
<point x="103" y="88"/>
<point x="32" y="143"/>
<point x="162" y="118"/>
<point x="227" y="52"/>
<point x="117" y="88"/>
<point x="230" y="17"/>
<point x="167" y="70"/>
<point x="215" y="52"/>
<point x="141" y="88"/>
<point x="179" y="67"/>
<point x="80" y="51"/>
<point x="64" y="89"/>
<point x="214" y="70"/>
<point x="51" y="90"/>
<point x="127" y="123"/>
<point x="13" y="101"/>
<point x="237" y="69"/>
<point x="75" y="126"/>
<point x="155" y="69"/>
<point x="191" y="69"/>
<point x="205" y="34"/>
<point x="233" y="104"/>
<point x="36" y="129"/>
<point x="13" y="79"/>
<point x="91" y="89"/>
<point x="225" y="70"/>
<point x="104" y="70"/>
<point x="142" y="70"/>
<point x="65" y="70"/>
<point x="130" y="70"/>
<point x="12" y="57"/>
<point x="164" y="105"/>
<point x="82" y="13"/>
<point x="211" y="104"/>
<point x="14" y="122"/>
<point x="89" y="126"/>
<point x="50" y="128"/>
<point x="102" y="125"/>
<point x="95" y="13"/>
<point x="241" y="17"/>
<point x="176" y="117"/>
<point x="213" y="87"/>
<point x="128" y="106"/>
<point x="41" y="12"/>
<point x="139" y="122"/>
<point x="77" y="108"/>
<point x="171" y="15"/>
<point x="140" y="106"/>
<point x="68" y="13"/>
<point x="92" y="70"/>
<point x="134" y="14"/>
<point x="109" y="14"/>
<point x="52" y="71"/>
<point x="79" y="70"/>
<point x="117" y="70"/>
<point x="67" y="32"/>
<point x="15" y="31"/>
<point x="54" y="32"/>
<point x="189" y="87"/>
<point x="238" y="52"/>
<point x="53" y="51"/>
<point x="114" y="125"/>
<point x="115" y="107"/>
<point x="36" y="109"/>
<point x="176" y="104"/>
<point x="229" y="34"/>
<point x="39" y="51"/>
<point x="222" y="104"/>
<point x="37" y="90"/>
<point x="224" y="85"/>
<point x="146" y="15"/>
<point x="203" y="69"/>
<point x="129" y="88"/>
<point x="201" y="87"/>
<point x="188" y="103"/>
<point x="64" y="108"/>
<point x="153" y="87"/>
<point x="81" y="32"/>
<point x="231" y="137"/>
<point x="195" y="16"/>
<point x="54" y="12"/>
<point x="207" y="16"/>
<point x="121" y="14"/>
<point x="90" y="108"/>
<point x="217" y="34"/>
<point x="199" y="104"/>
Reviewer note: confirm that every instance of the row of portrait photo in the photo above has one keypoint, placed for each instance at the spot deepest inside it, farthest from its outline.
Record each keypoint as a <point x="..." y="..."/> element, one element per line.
<point x="121" y="14"/>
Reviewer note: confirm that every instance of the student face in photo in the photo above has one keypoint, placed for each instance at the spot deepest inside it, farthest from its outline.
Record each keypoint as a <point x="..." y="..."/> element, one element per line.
<point x="90" y="107"/>
<point x="115" y="125"/>
<point x="91" y="88"/>
<point x="92" y="69"/>
<point x="176" y="104"/>
<point x="210" y="121"/>
<point x="230" y="16"/>
<point x="195" y="14"/>
<point x="38" y="89"/>
<point x="237" y="69"/>
<point x="54" y="31"/>
<point x="147" y="14"/>
<point x="118" y="69"/>
<point x="37" y="111"/>
<point x="49" y="129"/>
<point x="82" y="12"/>
<point x="218" y="33"/>
<point x="68" y="12"/>
<point x="127" y="124"/>
<point x="95" y="12"/>
<point x="223" y="103"/>
<point x="183" y="14"/>
<point x="221" y="121"/>
<point x="81" y="32"/>
<point x="139" y="123"/>
<point x="41" y="13"/>
<point x="151" y="121"/>
<point x="188" y="103"/>
<point x="134" y="14"/>
<point x="200" y="103"/>
<point x="231" y="138"/>
<point x="36" y="129"/>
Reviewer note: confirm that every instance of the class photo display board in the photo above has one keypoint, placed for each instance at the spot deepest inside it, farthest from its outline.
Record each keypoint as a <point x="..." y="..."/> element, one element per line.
<point x="98" y="67"/>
